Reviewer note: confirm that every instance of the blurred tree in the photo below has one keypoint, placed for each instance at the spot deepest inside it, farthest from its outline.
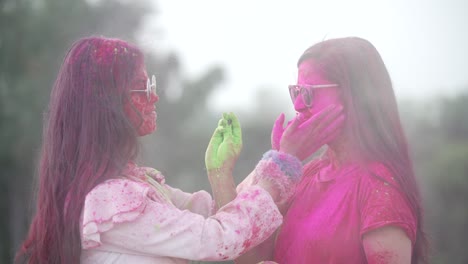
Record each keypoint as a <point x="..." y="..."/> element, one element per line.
<point x="448" y="212"/>
<point x="448" y="172"/>
<point x="438" y="134"/>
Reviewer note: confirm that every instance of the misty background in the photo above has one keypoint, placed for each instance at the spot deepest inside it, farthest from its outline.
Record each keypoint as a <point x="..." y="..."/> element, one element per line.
<point x="213" y="56"/>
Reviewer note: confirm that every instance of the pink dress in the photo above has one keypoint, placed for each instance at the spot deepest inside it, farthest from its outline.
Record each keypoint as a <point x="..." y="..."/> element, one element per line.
<point x="139" y="219"/>
<point x="327" y="219"/>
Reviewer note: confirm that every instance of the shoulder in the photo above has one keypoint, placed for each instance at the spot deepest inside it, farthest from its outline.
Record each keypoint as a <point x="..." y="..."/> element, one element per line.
<point x="112" y="197"/>
<point x="382" y="201"/>
<point x="134" y="171"/>
<point x="377" y="183"/>
<point x="113" y="201"/>
<point x="116" y="191"/>
<point x="377" y="174"/>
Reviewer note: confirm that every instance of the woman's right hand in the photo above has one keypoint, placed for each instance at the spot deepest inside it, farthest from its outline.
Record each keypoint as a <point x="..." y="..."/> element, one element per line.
<point x="302" y="138"/>
<point x="220" y="157"/>
<point x="225" y="144"/>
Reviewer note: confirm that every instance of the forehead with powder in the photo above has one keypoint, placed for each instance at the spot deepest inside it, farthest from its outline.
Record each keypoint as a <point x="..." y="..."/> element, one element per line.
<point x="311" y="72"/>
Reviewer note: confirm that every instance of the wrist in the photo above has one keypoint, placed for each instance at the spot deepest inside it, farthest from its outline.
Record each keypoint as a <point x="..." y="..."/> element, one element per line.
<point x="219" y="171"/>
<point x="221" y="178"/>
<point x="287" y="151"/>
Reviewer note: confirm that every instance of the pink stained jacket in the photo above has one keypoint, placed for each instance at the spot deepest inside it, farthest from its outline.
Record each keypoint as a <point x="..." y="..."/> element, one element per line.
<point x="327" y="219"/>
<point x="139" y="219"/>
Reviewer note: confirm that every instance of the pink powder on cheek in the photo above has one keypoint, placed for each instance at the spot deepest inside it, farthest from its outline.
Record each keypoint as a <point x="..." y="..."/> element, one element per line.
<point x="325" y="97"/>
<point x="309" y="73"/>
<point x="141" y="113"/>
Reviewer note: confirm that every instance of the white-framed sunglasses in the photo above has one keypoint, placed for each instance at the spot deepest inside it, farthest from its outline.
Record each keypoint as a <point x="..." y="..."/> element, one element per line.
<point x="306" y="91"/>
<point x="150" y="88"/>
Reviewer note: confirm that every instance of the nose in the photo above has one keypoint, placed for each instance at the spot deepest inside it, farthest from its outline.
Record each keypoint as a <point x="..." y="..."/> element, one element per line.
<point x="299" y="105"/>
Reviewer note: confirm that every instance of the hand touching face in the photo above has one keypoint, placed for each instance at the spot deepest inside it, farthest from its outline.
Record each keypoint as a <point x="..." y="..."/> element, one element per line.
<point x="318" y="122"/>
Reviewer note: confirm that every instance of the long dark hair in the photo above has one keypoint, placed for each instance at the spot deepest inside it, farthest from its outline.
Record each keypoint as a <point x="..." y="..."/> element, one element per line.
<point x="87" y="139"/>
<point x="373" y="122"/>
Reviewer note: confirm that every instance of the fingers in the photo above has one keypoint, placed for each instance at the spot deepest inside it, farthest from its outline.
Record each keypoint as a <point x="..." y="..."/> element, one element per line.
<point x="335" y="118"/>
<point x="323" y="118"/>
<point x="334" y="128"/>
<point x="227" y="122"/>
<point x="218" y="134"/>
<point x="277" y="132"/>
<point x="230" y="129"/>
<point x="236" y="128"/>
<point x="331" y="118"/>
<point x="222" y="123"/>
<point x="316" y="118"/>
<point x="279" y="121"/>
<point x="293" y="124"/>
<point x="217" y="138"/>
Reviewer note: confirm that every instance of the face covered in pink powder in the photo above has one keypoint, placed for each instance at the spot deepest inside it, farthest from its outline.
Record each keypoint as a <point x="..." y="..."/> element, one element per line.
<point x="309" y="73"/>
<point x="140" y="110"/>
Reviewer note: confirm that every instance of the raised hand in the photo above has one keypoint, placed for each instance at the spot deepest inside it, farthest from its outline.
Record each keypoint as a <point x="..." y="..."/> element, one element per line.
<point x="221" y="155"/>
<point x="225" y="144"/>
<point x="277" y="131"/>
<point x="302" y="138"/>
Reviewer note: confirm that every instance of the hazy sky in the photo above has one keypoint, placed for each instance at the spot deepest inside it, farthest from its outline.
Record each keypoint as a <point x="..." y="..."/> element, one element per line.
<point x="424" y="43"/>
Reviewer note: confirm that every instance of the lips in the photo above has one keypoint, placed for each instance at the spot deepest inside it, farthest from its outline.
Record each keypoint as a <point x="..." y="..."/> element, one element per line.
<point x="152" y="114"/>
<point x="150" y="110"/>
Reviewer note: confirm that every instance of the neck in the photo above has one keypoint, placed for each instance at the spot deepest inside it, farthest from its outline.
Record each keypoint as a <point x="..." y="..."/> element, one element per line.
<point x="342" y="152"/>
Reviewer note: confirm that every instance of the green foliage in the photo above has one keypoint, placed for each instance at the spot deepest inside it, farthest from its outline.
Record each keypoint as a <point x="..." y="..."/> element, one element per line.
<point x="438" y="134"/>
<point x="454" y="117"/>
<point x="447" y="211"/>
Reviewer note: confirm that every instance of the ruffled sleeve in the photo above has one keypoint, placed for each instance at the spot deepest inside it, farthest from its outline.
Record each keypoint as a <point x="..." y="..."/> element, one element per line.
<point x="131" y="217"/>
<point x="382" y="202"/>
<point x="199" y="202"/>
<point x="112" y="202"/>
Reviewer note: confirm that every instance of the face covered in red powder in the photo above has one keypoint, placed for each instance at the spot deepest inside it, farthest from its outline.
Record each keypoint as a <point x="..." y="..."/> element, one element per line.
<point x="321" y="92"/>
<point x="141" y="109"/>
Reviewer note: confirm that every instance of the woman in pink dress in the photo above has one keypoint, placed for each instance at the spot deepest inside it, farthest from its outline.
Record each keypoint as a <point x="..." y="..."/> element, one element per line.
<point x="96" y="205"/>
<point x="359" y="202"/>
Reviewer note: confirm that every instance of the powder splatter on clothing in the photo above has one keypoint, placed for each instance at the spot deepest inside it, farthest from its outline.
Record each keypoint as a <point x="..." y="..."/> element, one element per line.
<point x="137" y="218"/>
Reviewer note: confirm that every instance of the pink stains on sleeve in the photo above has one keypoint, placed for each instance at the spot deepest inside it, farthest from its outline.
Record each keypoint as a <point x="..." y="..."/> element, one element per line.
<point x="381" y="257"/>
<point x="114" y="201"/>
<point x="247" y="244"/>
<point x="254" y="194"/>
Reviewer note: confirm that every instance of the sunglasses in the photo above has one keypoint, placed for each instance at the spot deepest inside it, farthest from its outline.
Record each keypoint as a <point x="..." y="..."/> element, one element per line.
<point x="150" y="88"/>
<point x="307" y="92"/>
